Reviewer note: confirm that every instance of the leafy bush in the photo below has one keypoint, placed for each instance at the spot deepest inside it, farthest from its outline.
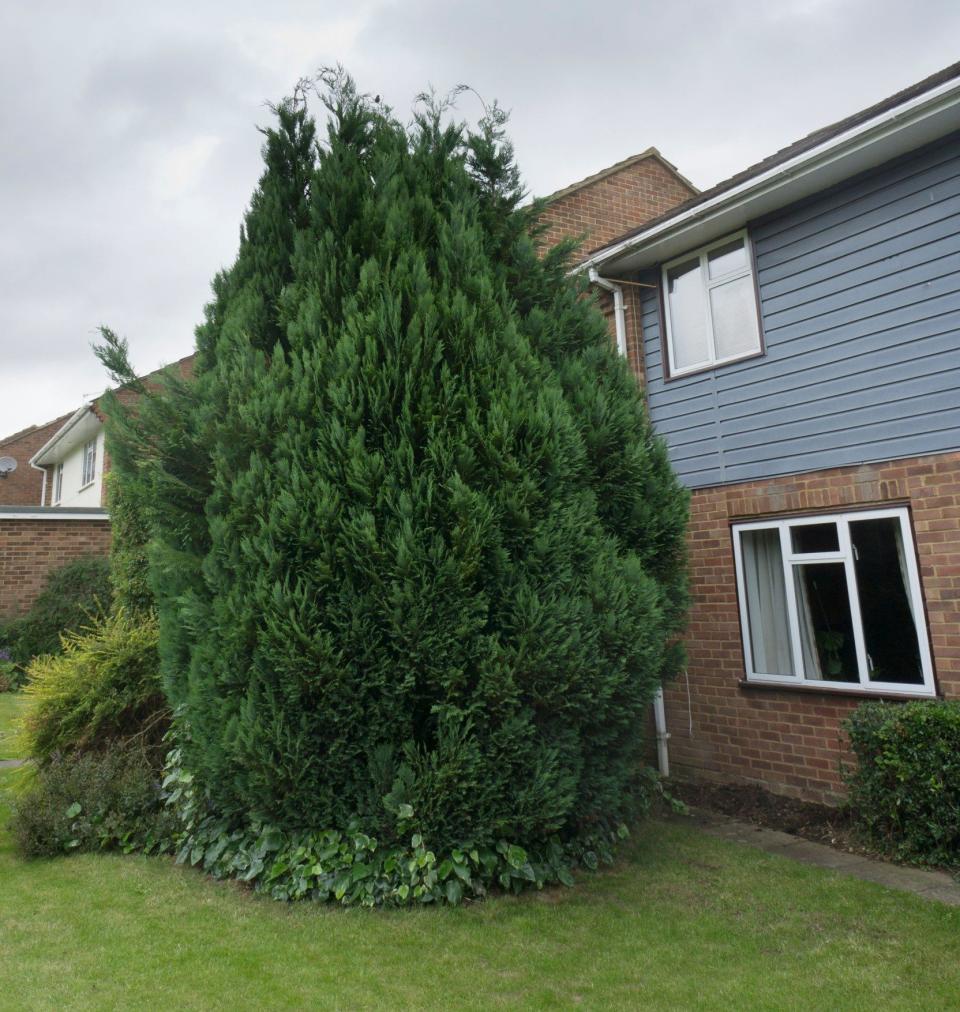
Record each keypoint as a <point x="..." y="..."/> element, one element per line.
<point x="128" y="552"/>
<point x="353" y="868"/>
<point x="905" y="788"/>
<point x="91" y="801"/>
<point x="72" y="598"/>
<point x="103" y="689"/>
<point x="435" y="562"/>
<point x="11" y="675"/>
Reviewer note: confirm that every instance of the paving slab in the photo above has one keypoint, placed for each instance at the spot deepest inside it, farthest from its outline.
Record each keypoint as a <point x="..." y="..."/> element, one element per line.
<point x="939" y="886"/>
<point x="9" y="764"/>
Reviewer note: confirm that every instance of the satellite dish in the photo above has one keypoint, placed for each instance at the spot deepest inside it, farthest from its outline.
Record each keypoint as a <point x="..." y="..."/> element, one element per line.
<point x="7" y="466"/>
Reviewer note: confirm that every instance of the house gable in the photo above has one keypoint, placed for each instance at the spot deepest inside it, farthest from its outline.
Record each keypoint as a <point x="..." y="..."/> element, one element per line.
<point x="622" y="196"/>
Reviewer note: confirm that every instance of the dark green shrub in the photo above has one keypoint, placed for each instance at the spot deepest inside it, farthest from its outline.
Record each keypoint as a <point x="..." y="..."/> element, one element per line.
<point x="72" y="598"/>
<point x="128" y="549"/>
<point x="91" y="801"/>
<point x="434" y="572"/>
<point x="905" y="787"/>
<point x="12" y="675"/>
<point x="104" y="689"/>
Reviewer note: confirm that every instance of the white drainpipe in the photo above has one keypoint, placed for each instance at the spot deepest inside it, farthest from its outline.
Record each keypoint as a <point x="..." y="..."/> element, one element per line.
<point x="660" y="720"/>
<point x="619" y="320"/>
<point x="618" y="311"/>
<point x="43" y="484"/>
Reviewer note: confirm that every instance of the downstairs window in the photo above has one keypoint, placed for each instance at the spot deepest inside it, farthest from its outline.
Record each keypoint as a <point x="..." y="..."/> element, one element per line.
<point x="833" y="600"/>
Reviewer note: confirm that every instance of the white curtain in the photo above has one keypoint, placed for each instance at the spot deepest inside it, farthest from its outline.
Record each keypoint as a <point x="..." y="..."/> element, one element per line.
<point x="766" y="602"/>
<point x="808" y="636"/>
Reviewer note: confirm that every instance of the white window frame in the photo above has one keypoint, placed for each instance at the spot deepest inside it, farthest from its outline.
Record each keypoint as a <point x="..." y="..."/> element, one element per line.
<point x="89" y="454"/>
<point x="57" y="484"/>
<point x="844" y="555"/>
<point x="709" y="284"/>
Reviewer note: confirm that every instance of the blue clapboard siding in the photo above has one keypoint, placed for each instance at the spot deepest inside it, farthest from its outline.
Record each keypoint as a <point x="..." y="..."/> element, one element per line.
<point x="860" y="302"/>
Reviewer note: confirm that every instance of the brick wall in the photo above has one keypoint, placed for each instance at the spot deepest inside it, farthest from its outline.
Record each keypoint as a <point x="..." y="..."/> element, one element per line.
<point x="614" y="201"/>
<point x="790" y="741"/>
<point x="30" y="549"/>
<point x="22" y="488"/>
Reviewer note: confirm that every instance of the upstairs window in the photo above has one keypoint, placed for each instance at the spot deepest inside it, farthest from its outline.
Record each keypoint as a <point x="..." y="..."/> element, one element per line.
<point x="89" y="463"/>
<point x="710" y="306"/>
<point x="833" y="601"/>
<point x="58" y="484"/>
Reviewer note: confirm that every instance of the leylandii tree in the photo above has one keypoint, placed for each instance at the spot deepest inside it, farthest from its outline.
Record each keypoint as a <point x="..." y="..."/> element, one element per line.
<point x="441" y="565"/>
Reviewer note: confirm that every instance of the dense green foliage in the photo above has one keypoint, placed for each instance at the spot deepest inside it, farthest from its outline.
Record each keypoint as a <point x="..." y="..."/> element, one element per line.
<point x="73" y="596"/>
<point x="103" y="689"/>
<point x="12" y="675"/>
<point x="416" y="552"/>
<point x="355" y="869"/>
<point x="90" y="801"/>
<point x="905" y="787"/>
<point x="128" y="549"/>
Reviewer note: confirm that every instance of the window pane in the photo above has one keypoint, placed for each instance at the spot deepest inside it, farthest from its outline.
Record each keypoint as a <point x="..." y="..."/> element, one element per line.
<point x="826" y="626"/>
<point x="724" y="259"/>
<point x="734" y="310"/>
<point x="766" y="602"/>
<point x="889" y="626"/>
<point x="688" y="321"/>
<point x="815" y="538"/>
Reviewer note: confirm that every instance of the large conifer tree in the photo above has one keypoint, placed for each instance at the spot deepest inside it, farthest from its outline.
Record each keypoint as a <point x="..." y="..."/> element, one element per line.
<point x="440" y="559"/>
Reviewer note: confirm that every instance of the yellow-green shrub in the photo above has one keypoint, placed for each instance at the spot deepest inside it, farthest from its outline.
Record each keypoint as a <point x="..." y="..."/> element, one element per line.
<point x="103" y="689"/>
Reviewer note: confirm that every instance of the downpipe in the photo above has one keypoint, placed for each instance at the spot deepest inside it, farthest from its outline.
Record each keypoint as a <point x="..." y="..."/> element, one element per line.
<point x="620" y="327"/>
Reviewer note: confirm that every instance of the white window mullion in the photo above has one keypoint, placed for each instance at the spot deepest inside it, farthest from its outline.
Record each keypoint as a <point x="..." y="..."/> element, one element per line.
<point x="916" y="597"/>
<point x="843" y="532"/>
<point x="790" y="586"/>
<point x="711" y="340"/>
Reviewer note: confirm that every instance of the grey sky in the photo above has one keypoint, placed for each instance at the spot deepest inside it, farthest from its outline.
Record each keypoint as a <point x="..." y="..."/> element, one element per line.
<point x="129" y="149"/>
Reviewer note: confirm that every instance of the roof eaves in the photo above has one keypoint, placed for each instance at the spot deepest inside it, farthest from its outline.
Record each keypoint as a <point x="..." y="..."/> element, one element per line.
<point x="807" y="143"/>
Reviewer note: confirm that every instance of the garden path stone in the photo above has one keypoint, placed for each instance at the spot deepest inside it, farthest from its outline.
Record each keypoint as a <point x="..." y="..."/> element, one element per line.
<point x="9" y="764"/>
<point x="929" y="885"/>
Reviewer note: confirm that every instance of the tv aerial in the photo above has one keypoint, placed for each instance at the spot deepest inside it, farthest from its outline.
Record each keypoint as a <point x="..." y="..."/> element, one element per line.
<point x="7" y="466"/>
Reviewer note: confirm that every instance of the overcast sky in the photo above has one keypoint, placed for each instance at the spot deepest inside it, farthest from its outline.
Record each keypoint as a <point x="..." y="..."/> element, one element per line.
<point x="129" y="147"/>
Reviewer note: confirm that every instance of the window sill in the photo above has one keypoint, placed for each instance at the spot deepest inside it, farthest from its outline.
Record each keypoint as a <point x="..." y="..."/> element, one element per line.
<point x="856" y="692"/>
<point x="699" y="370"/>
<point x="89" y="484"/>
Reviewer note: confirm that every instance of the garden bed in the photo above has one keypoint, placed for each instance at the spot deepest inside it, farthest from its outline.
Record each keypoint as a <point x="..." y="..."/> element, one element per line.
<point x="750" y="803"/>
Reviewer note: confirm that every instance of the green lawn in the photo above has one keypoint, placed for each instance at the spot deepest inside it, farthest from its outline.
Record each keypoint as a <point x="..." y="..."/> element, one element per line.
<point x="685" y="921"/>
<point x="11" y="706"/>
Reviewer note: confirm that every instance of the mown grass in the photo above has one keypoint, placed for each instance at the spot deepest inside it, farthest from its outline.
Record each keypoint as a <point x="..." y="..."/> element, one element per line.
<point x="684" y="921"/>
<point x="11" y="707"/>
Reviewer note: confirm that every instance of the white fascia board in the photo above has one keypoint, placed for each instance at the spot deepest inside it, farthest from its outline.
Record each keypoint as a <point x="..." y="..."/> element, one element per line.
<point x="55" y="513"/>
<point x="897" y="131"/>
<point x="66" y="437"/>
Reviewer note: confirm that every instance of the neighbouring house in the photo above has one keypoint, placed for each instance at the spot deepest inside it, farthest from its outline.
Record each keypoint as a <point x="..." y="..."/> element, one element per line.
<point x="53" y="505"/>
<point x="796" y="329"/>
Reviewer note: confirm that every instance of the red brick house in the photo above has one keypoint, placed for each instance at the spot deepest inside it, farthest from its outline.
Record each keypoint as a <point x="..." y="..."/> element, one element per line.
<point x="796" y="329"/>
<point x="52" y="502"/>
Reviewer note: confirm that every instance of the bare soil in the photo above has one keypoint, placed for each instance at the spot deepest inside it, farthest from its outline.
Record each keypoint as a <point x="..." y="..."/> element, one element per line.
<point x="819" y="823"/>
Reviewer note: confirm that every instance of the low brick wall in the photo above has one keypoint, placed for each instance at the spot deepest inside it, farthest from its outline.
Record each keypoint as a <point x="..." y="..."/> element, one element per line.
<point x="32" y="548"/>
<point x="790" y="741"/>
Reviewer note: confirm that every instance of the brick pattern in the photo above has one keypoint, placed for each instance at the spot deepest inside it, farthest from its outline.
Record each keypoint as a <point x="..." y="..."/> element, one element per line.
<point x="791" y="741"/>
<point x="22" y="488"/>
<point x="30" y="549"/>
<point x="615" y="203"/>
